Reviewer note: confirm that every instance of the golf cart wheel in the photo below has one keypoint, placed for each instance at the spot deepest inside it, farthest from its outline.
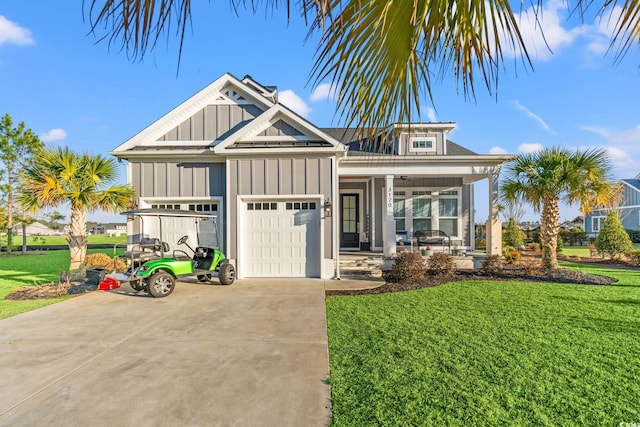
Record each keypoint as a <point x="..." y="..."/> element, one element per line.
<point x="227" y="274"/>
<point x="161" y="284"/>
<point x="204" y="277"/>
<point x="137" y="285"/>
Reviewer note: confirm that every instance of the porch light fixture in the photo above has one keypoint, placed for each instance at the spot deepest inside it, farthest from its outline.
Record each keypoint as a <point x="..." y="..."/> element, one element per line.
<point x="328" y="208"/>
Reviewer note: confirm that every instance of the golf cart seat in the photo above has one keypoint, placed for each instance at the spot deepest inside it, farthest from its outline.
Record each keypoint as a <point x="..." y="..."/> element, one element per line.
<point x="146" y="249"/>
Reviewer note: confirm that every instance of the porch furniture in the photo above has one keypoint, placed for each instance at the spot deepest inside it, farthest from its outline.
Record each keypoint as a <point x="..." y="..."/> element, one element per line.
<point x="432" y="238"/>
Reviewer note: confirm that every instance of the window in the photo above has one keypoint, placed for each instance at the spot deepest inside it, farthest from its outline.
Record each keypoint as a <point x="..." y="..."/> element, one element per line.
<point x="596" y="223"/>
<point x="398" y="210"/>
<point x="448" y="213"/>
<point x="421" y="204"/>
<point x="300" y="206"/>
<point x="422" y="144"/>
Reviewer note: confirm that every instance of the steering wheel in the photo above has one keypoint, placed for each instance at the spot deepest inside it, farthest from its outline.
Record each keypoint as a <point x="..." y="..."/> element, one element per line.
<point x="183" y="240"/>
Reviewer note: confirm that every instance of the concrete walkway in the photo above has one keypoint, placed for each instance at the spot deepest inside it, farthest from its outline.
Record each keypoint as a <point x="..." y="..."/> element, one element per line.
<point x="250" y="354"/>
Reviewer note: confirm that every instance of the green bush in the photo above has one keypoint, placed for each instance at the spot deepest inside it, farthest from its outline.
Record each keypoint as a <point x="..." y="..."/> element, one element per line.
<point x="407" y="268"/>
<point x="481" y="243"/>
<point x="441" y="264"/>
<point x="512" y="257"/>
<point x="534" y="247"/>
<point x="512" y="235"/>
<point x="613" y="240"/>
<point x="493" y="264"/>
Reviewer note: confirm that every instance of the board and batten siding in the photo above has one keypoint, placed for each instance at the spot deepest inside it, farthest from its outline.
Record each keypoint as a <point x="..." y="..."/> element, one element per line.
<point x="405" y="143"/>
<point x="276" y="177"/>
<point x="173" y="179"/>
<point x="213" y="122"/>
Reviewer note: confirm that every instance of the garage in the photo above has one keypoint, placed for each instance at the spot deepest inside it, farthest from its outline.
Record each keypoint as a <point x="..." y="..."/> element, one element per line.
<point x="280" y="238"/>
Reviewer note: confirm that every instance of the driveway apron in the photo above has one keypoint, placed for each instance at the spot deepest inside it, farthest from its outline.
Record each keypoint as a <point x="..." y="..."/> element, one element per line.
<point x="250" y="354"/>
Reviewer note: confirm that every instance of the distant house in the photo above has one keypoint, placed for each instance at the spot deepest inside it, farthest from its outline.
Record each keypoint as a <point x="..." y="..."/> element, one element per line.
<point x="35" y="229"/>
<point x="112" y="229"/>
<point x="628" y="209"/>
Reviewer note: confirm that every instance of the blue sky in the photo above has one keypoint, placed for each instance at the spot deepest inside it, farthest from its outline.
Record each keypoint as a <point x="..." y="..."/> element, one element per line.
<point x="73" y="91"/>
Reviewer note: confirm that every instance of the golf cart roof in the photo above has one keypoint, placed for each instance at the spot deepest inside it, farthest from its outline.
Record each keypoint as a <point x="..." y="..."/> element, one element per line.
<point x="170" y="212"/>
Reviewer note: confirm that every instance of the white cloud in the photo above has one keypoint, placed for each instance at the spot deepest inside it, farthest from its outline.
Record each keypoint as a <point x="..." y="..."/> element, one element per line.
<point x="324" y="91"/>
<point x="56" y="134"/>
<point x="542" y="34"/>
<point x="534" y="116"/>
<point x="293" y="101"/>
<point x="623" y="148"/>
<point x="497" y="150"/>
<point x="530" y="147"/>
<point x="431" y="114"/>
<point x="12" y="33"/>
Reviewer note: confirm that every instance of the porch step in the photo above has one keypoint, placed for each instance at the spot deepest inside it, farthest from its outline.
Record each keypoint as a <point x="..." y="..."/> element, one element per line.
<point x="361" y="265"/>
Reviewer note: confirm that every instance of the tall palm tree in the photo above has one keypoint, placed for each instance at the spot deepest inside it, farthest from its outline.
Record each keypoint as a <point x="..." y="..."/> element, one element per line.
<point x="376" y="50"/>
<point x="84" y="181"/>
<point x="542" y="179"/>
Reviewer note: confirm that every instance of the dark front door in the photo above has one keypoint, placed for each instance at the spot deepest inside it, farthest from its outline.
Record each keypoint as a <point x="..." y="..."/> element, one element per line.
<point x="349" y="237"/>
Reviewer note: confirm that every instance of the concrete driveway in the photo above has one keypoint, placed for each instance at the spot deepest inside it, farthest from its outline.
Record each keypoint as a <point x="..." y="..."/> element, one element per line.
<point x="250" y="354"/>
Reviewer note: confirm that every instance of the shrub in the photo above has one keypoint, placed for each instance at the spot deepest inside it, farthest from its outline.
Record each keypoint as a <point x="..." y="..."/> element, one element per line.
<point x="99" y="260"/>
<point x="481" y="243"/>
<point x="493" y="264"/>
<point x="441" y="264"/>
<point x="512" y="235"/>
<point x="634" y="257"/>
<point x="613" y="240"/>
<point x="534" y="247"/>
<point x="512" y="257"/>
<point x="530" y="265"/>
<point x="408" y="267"/>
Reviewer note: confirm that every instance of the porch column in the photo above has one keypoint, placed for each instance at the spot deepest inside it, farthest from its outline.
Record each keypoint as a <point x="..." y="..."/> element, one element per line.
<point x="494" y="225"/>
<point x="389" y="225"/>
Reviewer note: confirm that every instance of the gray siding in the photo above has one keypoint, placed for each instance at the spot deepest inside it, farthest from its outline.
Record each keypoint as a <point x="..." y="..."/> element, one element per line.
<point x="212" y="122"/>
<point x="630" y="219"/>
<point x="279" y="176"/>
<point x="280" y="128"/>
<point x="173" y="179"/>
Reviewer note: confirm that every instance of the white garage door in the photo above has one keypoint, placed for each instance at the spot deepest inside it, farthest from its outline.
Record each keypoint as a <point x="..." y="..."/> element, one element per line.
<point x="280" y="238"/>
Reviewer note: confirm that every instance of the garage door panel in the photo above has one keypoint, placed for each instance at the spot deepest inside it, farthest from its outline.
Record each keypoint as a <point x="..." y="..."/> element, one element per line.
<point x="281" y="242"/>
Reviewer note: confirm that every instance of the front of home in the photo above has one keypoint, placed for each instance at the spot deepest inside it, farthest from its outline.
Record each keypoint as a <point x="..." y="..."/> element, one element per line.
<point x="290" y="195"/>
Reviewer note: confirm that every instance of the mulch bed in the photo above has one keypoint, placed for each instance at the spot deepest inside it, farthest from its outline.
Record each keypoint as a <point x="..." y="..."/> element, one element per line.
<point x="560" y="275"/>
<point x="53" y="290"/>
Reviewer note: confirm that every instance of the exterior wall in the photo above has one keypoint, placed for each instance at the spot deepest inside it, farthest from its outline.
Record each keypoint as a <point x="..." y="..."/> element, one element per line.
<point x="280" y="176"/>
<point x="173" y="179"/>
<point x="630" y="218"/>
<point x="213" y="122"/>
<point x="281" y="128"/>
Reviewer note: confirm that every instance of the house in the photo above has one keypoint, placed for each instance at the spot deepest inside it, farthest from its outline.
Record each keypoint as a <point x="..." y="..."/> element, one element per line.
<point x="35" y="229"/>
<point x="290" y="195"/>
<point x="112" y="229"/>
<point x="628" y="209"/>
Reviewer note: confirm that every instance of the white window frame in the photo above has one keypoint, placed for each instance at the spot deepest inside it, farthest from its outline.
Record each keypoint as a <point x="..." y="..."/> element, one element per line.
<point x="414" y="139"/>
<point x="597" y="220"/>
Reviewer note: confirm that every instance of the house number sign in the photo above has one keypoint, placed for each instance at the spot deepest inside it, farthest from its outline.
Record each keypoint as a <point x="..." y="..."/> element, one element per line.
<point x="389" y="198"/>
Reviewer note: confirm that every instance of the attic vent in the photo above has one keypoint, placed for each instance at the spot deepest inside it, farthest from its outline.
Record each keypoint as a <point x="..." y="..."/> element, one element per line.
<point x="234" y="96"/>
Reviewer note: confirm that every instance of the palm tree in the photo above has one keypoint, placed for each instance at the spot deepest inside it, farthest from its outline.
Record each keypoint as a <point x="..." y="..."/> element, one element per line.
<point x="542" y="179"/>
<point x="377" y="50"/>
<point x="59" y="176"/>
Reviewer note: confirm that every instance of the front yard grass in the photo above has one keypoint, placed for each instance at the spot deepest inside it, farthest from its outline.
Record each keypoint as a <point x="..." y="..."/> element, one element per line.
<point x="488" y="353"/>
<point x="40" y="268"/>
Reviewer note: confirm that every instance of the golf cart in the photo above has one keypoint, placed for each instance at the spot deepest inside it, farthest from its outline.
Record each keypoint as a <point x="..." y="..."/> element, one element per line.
<point x="154" y="265"/>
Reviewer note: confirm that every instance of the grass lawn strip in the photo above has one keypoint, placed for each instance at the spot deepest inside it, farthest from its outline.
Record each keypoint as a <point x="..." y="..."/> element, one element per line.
<point x="487" y="353"/>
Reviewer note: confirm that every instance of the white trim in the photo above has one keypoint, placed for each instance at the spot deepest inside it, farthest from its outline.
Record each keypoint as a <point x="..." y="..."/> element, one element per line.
<point x="227" y="224"/>
<point x="335" y="238"/>
<point x="360" y="212"/>
<point x="241" y="260"/>
<point x="372" y="201"/>
<point x="268" y="119"/>
<point x="204" y="97"/>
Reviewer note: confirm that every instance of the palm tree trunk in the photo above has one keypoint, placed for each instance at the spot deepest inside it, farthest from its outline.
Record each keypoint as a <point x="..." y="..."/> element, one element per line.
<point x="77" y="238"/>
<point x="549" y="231"/>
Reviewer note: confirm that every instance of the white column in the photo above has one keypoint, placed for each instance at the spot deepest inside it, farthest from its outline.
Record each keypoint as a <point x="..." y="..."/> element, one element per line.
<point x="389" y="224"/>
<point x="494" y="225"/>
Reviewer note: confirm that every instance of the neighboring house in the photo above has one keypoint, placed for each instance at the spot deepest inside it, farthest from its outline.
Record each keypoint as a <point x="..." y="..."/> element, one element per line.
<point x="290" y="195"/>
<point x="35" y="229"/>
<point x="112" y="229"/>
<point x="628" y="209"/>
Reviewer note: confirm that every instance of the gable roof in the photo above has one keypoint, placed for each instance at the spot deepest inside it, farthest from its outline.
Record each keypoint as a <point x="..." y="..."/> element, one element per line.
<point x="246" y="89"/>
<point x="248" y="139"/>
<point x="635" y="183"/>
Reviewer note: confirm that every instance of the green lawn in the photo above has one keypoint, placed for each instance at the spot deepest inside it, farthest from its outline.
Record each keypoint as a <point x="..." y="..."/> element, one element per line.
<point x="94" y="239"/>
<point x="582" y="251"/>
<point x="34" y="269"/>
<point x="488" y="353"/>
